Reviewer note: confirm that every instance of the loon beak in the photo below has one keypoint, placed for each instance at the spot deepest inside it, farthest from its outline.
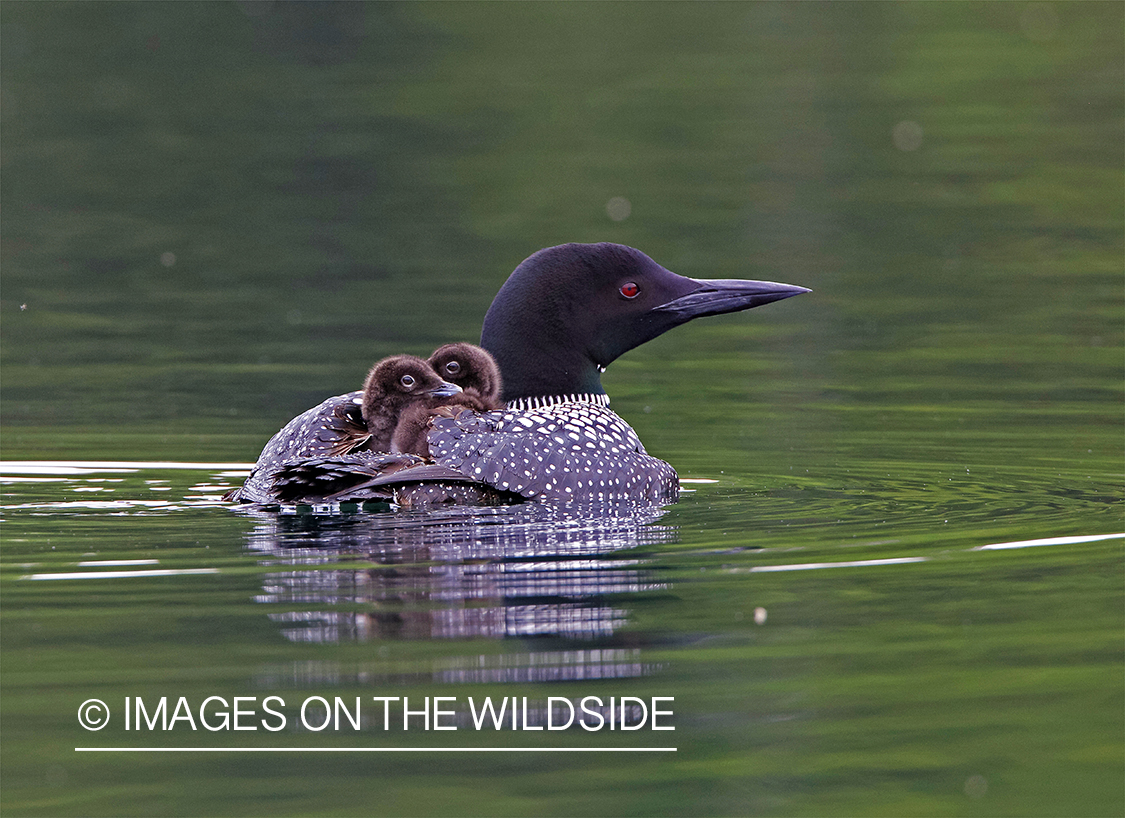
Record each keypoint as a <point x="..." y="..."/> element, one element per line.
<point x="721" y="295"/>
<point x="444" y="390"/>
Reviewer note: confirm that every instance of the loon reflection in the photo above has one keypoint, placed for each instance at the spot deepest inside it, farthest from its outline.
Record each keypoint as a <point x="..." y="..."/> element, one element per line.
<point x="556" y="571"/>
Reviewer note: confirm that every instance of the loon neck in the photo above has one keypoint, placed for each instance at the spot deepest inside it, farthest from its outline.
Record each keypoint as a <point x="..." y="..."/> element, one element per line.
<point x="543" y="401"/>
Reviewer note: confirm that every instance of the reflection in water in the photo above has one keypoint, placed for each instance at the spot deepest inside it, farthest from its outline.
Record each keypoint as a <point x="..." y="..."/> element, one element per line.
<point x="522" y="667"/>
<point x="535" y="570"/>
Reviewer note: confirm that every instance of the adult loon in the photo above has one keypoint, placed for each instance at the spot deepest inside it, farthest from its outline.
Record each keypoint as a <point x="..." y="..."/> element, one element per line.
<point x="560" y="319"/>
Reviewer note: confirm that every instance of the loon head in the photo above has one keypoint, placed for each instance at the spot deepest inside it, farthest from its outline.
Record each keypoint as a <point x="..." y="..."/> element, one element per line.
<point x="567" y="312"/>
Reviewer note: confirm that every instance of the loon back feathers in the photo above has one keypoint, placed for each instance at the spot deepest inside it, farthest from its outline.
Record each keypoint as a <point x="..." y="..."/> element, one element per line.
<point x="566" y="450"/>
<point x="329" y="429"/>
<point x="320" y="479"/>
<point x="403" y="479"/>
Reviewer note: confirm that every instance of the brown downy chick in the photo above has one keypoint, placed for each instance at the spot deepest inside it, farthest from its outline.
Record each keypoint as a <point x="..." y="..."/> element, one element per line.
<point x="393" y="386"/>
<point x="474" y="370"/>
<point x="468" y="366"/>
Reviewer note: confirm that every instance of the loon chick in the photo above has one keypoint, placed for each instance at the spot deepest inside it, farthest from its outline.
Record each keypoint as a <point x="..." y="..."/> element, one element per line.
<point x="393" y="385"/>
<point x="474" y="370"/>
<point x="464" y="365"/>
<point x="357" y="422"/>
<point x="468" y="366"/>
<point x="349" y="476"/>
<point x="561" y="318"/>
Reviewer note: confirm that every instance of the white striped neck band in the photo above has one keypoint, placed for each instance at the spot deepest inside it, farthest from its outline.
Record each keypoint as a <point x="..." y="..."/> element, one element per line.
<point x="540" y="402"/>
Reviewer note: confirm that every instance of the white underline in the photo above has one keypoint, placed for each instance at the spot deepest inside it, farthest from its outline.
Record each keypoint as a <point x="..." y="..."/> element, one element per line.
<point x="375" y="749"/>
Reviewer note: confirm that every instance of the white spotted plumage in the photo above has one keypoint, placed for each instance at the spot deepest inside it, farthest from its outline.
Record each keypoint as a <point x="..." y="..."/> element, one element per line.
<point x="553" y="449"/>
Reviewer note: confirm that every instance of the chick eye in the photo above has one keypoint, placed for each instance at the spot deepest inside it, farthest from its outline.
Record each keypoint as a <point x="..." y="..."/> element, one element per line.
<point x="629" y="289"/>
<point x="407" y="381"/>
<point x="453" y="367"/>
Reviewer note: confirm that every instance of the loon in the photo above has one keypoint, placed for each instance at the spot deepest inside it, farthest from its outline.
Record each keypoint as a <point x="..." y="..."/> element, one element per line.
<point x="472" y="369"/>
<point x="394" y="385"/>
<point x="560" y="319"/>
<point x="338" y="479"/>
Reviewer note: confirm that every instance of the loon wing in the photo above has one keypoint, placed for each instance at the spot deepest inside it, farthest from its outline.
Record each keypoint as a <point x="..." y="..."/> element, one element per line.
<point x="342" y="477"/>
<point x="393" y="478"/>
<point x="344" y="430"/>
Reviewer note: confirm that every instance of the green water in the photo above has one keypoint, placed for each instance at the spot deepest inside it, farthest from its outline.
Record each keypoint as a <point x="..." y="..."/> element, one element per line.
<point x="216" y="215"/>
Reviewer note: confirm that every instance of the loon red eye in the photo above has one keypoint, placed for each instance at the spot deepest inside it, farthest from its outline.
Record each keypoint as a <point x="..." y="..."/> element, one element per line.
<point x="630" y="290"/>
